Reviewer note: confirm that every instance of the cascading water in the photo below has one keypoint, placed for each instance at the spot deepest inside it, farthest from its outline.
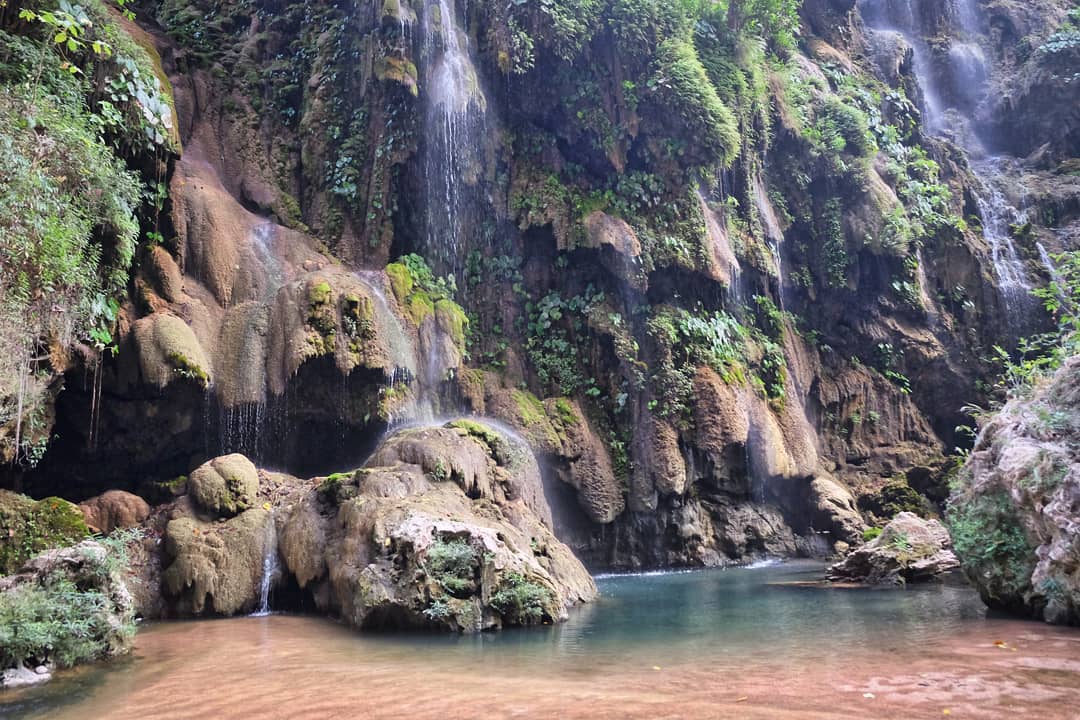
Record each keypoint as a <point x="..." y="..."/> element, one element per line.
<point x="271" y="569"/>
<point x="949" y="98"/>
<point x="454" y="126"/>
<point x="403" y="355"/>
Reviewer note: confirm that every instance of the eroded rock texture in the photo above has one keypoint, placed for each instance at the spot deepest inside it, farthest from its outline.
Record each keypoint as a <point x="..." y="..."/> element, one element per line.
<point x="1014" y="515"/>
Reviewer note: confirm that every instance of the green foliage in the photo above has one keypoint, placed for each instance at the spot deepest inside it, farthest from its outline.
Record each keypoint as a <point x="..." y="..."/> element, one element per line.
<point x="452" y="563"/>
<point x="990" y="542"/>
<point x="61" y="622"/>
<point x="871" y="533"/>
<point x="521" y="601"/>
<point x="683" y="86"/>
<point x="570" y="24"/>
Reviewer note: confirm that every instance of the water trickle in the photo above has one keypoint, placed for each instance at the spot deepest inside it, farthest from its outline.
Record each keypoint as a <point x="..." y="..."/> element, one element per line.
<point x="271" y="570"/>
<point x="997" y="217"/>
<point x="454" y="124"/>
<point x="722" y="252"/>
<point x="403" y="357"/>
<point x="774" y="234"/>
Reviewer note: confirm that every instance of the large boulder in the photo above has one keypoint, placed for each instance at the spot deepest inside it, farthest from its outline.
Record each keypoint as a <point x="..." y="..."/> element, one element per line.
<point x="114" y="509"/>
<point x="1015" y="508"/>
<point x="28" y="527"/>
<point x="444" y="527"/>
<point x="909" y="549"/>
<point x="226" y="485"/>
<point x="215" y="568"/>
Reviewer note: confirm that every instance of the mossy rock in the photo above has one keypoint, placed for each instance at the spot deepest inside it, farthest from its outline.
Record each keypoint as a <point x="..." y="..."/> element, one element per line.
<point x="29" y="527"/>
<point x="452" y="321"/>
<point x="226" y="485"/>
<point x="168" y="349"/>
<point x="401" y="281"/>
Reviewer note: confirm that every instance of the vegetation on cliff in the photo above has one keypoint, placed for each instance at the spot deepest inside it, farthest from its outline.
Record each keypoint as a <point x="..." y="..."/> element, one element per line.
<point x="87" y="123"/>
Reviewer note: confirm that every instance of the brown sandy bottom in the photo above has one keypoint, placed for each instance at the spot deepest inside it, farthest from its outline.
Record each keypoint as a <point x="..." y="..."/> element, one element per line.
<point x="297" y="667"/>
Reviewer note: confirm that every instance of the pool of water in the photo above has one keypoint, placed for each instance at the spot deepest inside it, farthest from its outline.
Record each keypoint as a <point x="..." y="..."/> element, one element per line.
<point x="747" y="642"/>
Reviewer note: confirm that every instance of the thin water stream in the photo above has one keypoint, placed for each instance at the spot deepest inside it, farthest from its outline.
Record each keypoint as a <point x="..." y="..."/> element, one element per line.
<point x="742" y="642"/>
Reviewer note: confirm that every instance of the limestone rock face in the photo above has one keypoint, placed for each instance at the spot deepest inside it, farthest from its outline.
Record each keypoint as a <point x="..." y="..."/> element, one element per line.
<point x="1015" y="512"/>
<point x="444" y="527"/>
<point x="226" y="485"/>
<point x="114" y="509"/>
<point x="909" y="549"/>
<point x="214" y="568"/>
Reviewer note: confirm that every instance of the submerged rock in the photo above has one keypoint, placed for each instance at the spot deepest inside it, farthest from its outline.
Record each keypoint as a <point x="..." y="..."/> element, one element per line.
<point x="909" y="549"/>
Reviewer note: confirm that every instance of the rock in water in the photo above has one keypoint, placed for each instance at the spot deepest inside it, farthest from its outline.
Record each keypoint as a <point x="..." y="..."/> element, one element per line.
<point x="909" y="549"/>
<point x="1015" y="509"/>
<point x="444" y="527"/>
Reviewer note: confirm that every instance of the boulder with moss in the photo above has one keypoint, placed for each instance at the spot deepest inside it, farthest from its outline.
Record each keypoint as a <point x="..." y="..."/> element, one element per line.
<point x="444" y="527"/>
<point x="908" y="549"/>
<point x="169" y="350"/>
<point x="213" y="567"/>
<point x="226" y="485"/>
<point x="29" y="527"/>
<point x="1015" y="508"/>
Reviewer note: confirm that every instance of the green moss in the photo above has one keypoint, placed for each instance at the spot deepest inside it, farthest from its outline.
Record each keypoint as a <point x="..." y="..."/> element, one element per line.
<point x="339" y="487"/>
<point x="479" y="431"/>
<point x="419" y="306"/>
<point x="29" y="528"/>
<point x="870" y="533"/>
<point x="452" y="320"/>
<point x="530" y="409"/>
<point x="565" y="411"/>
<point x="401" y="281"/>
<point x="687" y="89"/>
<point x="186" y="367"/>
<point x="320" y="293"/>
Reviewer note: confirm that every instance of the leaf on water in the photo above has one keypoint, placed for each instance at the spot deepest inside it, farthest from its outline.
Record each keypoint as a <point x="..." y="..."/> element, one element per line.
<point x="868" y="695"/>
<point x="744" y="698"/>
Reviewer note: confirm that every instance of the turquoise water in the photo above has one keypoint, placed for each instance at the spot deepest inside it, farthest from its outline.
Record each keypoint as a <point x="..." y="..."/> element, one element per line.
<point x="764" y="625"/>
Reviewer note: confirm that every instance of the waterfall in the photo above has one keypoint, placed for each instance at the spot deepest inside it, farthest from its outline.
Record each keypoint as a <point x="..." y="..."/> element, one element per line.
<point x="271" y="569"/>
<point x="453" y="123"/>
<point x="959" y="21"/>
<point x="925" y="297"/>
<point x="997" y="217"/>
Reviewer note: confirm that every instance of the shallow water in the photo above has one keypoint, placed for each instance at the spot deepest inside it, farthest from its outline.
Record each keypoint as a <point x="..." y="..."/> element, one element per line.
<point x="749" y="642"/>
